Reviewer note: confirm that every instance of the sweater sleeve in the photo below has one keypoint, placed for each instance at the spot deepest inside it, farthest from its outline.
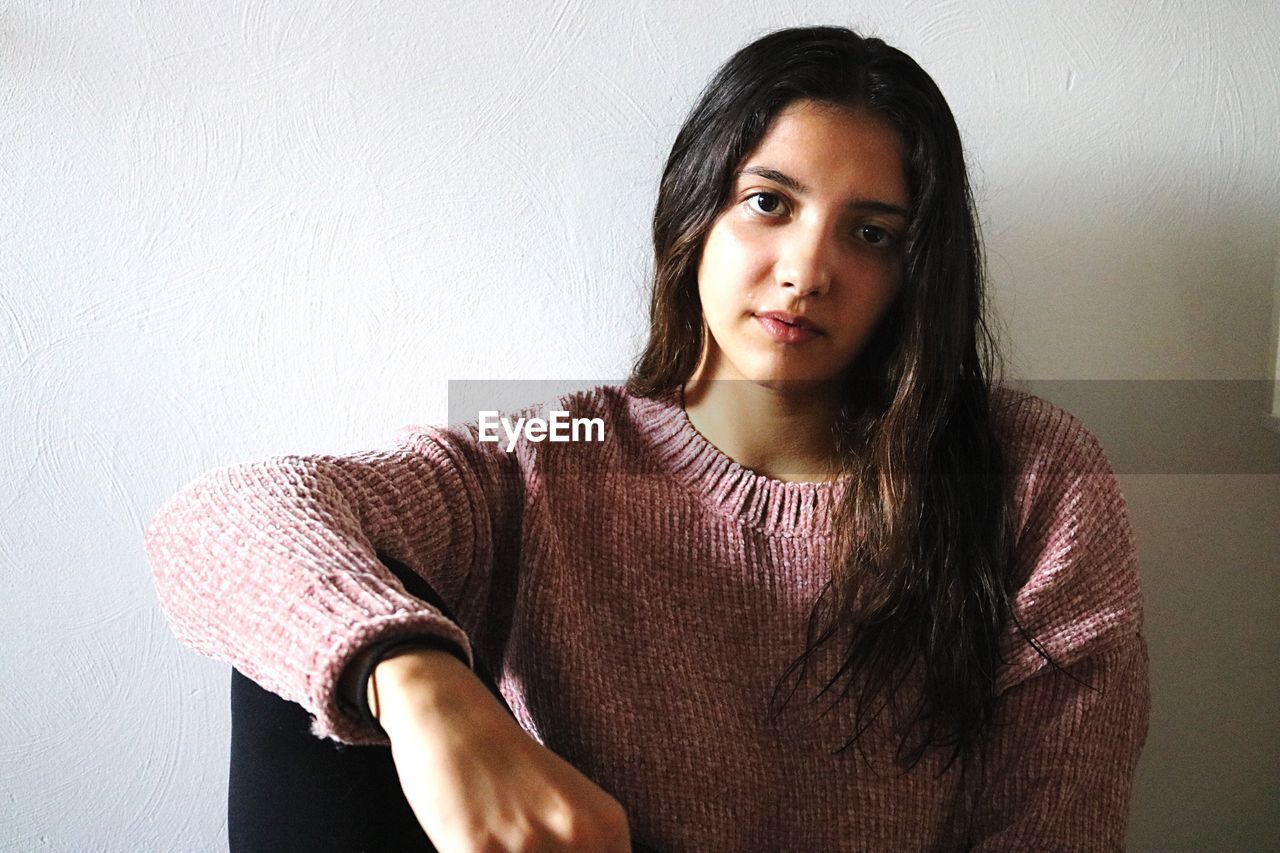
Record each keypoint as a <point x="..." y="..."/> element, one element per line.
<point x="273" y="566"/>
<point x="1060" y="772"/>
<point x="1057" y="771"/>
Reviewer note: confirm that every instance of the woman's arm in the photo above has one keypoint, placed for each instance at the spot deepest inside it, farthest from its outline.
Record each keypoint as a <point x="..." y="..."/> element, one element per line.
<point x="276" y="567"/>
<point x="474" y="778"/>
<point x="1057" y="770"/>
<point x="272" y="566"/>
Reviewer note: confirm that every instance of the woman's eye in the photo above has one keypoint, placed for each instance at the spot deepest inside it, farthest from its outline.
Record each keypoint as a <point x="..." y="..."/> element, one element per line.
<point x="874" y="235"/>
<point x="768" y="203"/>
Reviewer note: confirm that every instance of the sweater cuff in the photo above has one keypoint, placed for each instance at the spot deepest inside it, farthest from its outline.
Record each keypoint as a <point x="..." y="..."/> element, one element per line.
<point x="353" y="685"/>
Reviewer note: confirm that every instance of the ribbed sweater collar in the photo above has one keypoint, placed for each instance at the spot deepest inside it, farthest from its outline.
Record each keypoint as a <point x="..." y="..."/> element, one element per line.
<point x="773" y="507"/>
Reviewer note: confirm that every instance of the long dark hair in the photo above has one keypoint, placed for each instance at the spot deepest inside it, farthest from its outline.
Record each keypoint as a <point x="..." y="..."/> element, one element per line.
<point x="922" y="576"/>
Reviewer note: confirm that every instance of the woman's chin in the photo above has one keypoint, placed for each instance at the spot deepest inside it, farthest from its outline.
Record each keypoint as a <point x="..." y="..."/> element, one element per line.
<point x="779" y="375"/>
<point x="792" y="383"/>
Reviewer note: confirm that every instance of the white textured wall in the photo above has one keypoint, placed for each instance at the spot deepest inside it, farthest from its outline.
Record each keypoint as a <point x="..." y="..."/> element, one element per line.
<point x="241" y="228"/>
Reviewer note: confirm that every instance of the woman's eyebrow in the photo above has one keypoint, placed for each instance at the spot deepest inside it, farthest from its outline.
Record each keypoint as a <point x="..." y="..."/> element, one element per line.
<point x="800" y="189"/>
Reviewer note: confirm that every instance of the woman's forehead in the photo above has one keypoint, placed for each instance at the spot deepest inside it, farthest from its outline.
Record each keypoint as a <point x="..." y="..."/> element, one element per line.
<point x="823" y="148"/>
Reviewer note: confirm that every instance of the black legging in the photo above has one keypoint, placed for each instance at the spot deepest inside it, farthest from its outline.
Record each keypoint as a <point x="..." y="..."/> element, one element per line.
<point x="290" y="790"/>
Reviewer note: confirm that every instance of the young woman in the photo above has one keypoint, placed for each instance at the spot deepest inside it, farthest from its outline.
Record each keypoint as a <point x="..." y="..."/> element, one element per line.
<point x="826" y="584"/>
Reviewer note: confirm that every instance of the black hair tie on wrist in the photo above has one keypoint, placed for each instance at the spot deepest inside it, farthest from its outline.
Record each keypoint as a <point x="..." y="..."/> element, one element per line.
<point x="381" y="652"/>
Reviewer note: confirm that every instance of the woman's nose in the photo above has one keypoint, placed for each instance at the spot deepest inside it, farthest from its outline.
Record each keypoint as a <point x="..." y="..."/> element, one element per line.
<point x="804" y="261"/>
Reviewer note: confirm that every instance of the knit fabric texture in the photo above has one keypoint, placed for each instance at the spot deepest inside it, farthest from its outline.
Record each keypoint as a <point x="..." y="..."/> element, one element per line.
<point x="638" y="600"/>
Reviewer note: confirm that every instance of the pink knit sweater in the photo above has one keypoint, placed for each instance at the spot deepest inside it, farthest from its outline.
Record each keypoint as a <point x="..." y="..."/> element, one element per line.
<point x="637" y="600"/>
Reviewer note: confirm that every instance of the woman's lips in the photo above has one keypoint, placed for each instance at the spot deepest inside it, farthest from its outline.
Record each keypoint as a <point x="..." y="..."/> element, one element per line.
<point x="785" y="333"/>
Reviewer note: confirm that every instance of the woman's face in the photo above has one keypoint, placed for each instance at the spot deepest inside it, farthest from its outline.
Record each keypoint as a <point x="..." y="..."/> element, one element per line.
<point x="813" y="235"/>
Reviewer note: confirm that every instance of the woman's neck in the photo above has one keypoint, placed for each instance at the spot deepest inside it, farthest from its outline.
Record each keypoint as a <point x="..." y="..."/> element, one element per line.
<point x="785" y="435"/>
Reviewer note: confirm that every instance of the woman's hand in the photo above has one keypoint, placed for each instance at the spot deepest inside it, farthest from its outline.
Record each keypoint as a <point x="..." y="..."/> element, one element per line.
<point x="477" y="781"/>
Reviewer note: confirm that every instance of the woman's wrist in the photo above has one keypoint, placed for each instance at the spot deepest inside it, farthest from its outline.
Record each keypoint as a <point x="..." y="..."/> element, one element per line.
<point x="353" y="684"/>
<point x="409" y="680"/>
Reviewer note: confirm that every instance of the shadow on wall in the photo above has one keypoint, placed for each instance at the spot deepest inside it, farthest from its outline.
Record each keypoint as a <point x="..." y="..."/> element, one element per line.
<point x="1172" y="272"/>
<point x="1174" y="426"/>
